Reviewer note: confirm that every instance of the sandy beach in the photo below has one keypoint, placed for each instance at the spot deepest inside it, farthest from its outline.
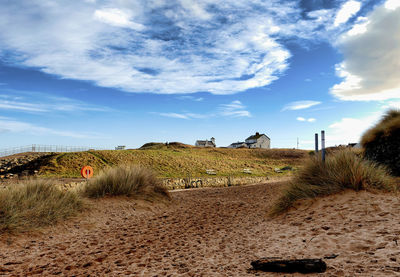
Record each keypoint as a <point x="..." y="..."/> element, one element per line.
<point x="213" y="232"/>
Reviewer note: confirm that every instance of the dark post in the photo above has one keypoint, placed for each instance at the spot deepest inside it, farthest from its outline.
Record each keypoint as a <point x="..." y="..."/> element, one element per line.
<point x="323" y="145"/>
<point x="316" y="143"/>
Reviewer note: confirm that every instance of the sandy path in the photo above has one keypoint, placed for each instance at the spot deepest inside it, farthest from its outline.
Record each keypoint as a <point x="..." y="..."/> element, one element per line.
<point x="213" y="232"/>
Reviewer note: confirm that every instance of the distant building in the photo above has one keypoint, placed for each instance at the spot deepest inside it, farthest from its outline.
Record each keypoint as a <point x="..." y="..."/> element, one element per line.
<point x="258" y="141"/>
<point x="120" y="147"/>
<point x="255" y="141"/>
<point x="354" y="145"/>
<point x="206" y="143"/>
<point x="238" y="145"/>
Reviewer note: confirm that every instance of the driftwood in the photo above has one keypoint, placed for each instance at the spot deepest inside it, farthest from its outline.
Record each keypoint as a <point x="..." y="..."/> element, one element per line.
<point x="290" y="266"/>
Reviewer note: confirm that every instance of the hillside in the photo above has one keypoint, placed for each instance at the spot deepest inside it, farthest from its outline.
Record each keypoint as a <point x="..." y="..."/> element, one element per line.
<point x="172" y="161"/>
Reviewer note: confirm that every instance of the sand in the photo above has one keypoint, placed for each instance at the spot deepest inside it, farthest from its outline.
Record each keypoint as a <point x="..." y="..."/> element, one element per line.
<point x="213" y="232"/>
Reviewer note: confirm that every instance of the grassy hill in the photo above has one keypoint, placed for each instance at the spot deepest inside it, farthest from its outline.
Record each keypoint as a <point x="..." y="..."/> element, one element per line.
<point x="177" y="160"/>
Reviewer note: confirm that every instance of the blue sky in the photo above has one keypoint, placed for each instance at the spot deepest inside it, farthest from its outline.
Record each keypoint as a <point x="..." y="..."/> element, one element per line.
<point x="105" y="73"/>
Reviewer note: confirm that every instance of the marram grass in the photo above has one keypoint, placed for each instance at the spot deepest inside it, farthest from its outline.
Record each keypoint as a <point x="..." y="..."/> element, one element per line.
<point x="125" y="180"/>
<point x="342" y="170"/>
<point x="36" y="203"/>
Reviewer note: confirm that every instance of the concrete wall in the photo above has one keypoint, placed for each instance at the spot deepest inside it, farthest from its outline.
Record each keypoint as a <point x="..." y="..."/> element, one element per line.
<point x="182" y="183"/>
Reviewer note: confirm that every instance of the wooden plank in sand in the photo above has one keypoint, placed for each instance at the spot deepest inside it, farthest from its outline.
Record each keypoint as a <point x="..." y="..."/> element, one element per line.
<point x="290" y="266"/>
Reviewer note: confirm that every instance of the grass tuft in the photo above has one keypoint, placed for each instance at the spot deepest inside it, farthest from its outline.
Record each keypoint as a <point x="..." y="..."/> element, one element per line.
<point x="342" y="170"/>
<point x="125" y="180"/>
<point x="34" y="204"/>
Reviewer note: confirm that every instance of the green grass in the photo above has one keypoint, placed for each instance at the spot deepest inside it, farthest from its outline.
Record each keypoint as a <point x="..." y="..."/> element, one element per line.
<point x="342" y="170"/>
<point x="126" y="180"/>
<point x="35" y="204"/>
<point x="176" y="161"/>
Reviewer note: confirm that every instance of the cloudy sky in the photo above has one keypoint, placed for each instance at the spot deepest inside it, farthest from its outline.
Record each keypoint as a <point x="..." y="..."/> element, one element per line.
<point x="104" y="73"/>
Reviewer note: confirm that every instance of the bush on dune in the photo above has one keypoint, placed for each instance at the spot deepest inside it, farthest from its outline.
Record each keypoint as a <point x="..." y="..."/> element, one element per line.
<point x="34" y="204"/>
<point x="125" y="180"/>
<point x="342" y="170"/>
<point x="382" y="142"/>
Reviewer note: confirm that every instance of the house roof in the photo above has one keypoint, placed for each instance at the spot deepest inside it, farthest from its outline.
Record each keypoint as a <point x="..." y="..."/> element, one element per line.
<point x="256" y="136"/>
<point x="204" y="142"/>
<point x="237" y="143"/>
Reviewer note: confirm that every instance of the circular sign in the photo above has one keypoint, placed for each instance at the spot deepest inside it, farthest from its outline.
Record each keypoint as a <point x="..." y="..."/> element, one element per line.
<point x="87" y="172"/>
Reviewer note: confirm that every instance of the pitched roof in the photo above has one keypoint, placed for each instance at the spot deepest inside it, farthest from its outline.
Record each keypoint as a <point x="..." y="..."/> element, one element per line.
<point x="256" y="136"/>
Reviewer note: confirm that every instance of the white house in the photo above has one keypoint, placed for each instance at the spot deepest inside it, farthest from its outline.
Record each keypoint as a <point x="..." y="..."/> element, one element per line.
<point x="238" y="145"/>
<point x="205" y="143"/>
<point x="255" y="141"/>
<point x="258" y="141"/>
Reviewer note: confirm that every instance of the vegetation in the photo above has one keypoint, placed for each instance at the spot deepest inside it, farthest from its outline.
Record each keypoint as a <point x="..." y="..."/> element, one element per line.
<point x="35" y="204"/>
<point x="125" y="180"/>
<point x="382" y="142"/>
<point x="177" y="160"/>
<point x="342" y="170"/>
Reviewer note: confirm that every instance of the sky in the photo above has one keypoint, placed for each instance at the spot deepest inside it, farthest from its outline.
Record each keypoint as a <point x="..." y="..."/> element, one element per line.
<point x="104" y="73"/>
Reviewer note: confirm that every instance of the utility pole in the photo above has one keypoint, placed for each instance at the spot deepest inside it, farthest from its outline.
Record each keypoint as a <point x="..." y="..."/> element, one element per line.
<point x="297" y="143"/>
<point x="316" y="143"/>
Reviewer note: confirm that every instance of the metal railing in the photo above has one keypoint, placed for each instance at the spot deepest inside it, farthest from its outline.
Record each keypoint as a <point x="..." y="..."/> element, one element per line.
<point x="45" y="148"/>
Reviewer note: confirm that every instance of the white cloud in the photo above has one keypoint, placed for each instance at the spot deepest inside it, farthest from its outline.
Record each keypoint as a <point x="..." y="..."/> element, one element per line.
<point x="350" y="130"/>
<point x="175" y="115"/>
<point x="300" y="105"/>
<point x="233" y="109"/>
<point x="27" y="107"/>
<point x="189" y="97"/>
<point x="179" y="46"/>
<point x="119" y="18"/>
<point x="371" y="65"/>
<point x="347" y="10"/>
<point x="392" y="4"/>
<point x="311" y="119"/>
<point x="26" y="101"/>
<point x="391" y="105"/>
<point x="15" y="126"/>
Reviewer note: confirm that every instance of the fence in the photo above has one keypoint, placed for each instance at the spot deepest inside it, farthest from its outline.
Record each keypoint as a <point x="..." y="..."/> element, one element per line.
<point x="45" y="148"/>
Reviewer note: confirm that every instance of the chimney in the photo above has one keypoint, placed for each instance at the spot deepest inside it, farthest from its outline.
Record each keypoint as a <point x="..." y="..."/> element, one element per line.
<point x="213" y="140"/>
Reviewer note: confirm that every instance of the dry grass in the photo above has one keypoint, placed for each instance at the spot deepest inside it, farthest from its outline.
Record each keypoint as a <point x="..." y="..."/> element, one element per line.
<point x="35" y="204"/>
<point x="382" y="143"/>
<point x="125" y="180"/>
<point x="342" y="170"/>
<point x="176" y="162"/>
<point x="389" y="124"/>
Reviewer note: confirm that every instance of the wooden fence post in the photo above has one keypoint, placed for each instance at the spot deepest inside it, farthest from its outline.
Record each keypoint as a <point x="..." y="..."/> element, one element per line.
<point x="323" y="145"/>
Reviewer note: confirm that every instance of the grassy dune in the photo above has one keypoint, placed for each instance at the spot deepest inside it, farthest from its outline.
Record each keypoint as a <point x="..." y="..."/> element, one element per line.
<point x="342" y="170"/>
<point x="126" y="180"/>
<point x="178" y="161"/>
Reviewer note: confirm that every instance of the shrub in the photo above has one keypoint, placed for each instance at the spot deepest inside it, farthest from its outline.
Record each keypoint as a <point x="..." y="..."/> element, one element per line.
<point x="34" y="204"/>
<point x="127" y="180"/>
<point x="382" y="142"/>
<point x="341" y="170"/>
